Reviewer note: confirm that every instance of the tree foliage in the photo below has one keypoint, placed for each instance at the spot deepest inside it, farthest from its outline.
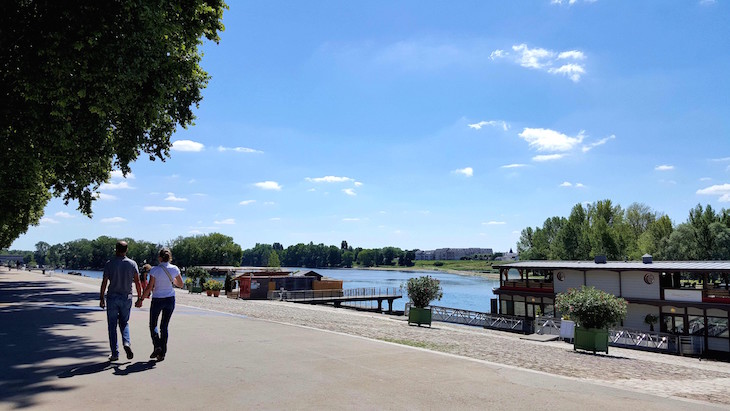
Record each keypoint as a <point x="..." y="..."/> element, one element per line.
<point x="423" y="290"/>
<point x="603" y="228"/>
<point x="591" y="308"/>
<point x="88" y="86"/>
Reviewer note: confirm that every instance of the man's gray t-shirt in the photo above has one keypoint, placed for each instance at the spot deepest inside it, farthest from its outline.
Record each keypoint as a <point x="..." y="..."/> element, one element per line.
<point x="120" y="272"/>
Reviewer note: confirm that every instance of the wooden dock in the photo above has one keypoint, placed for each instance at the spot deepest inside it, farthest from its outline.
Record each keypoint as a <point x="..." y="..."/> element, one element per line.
<point x="337" y="297"/>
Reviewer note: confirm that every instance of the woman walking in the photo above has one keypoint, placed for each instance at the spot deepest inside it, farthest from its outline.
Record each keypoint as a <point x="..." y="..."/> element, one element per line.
<point x="163" y="278"/>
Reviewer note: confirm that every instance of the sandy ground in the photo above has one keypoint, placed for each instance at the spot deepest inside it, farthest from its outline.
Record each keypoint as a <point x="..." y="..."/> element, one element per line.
<point x="660" y="374"/>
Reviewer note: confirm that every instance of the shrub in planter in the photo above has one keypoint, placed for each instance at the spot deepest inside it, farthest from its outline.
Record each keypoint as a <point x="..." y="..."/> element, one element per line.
<point x="197" y="274"/>
<point x="651" y="319"/>
<point x="593" y="311"/>
<point x="422" y="291"/>
<point x="214" y="286"/>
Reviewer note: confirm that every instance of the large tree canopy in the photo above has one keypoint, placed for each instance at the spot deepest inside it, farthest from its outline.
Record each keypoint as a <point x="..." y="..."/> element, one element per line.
<point x="85" y="88"/>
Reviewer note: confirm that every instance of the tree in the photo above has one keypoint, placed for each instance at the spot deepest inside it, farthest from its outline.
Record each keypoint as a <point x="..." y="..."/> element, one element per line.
<point x="88" y="86"/>
<point x="41" y="252"/>
<point x="274" y="259"/>
<point x="343" y="245"/>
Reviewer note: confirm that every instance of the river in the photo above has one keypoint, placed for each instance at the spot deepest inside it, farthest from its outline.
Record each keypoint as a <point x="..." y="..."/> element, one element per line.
<point x="460" y="291"/>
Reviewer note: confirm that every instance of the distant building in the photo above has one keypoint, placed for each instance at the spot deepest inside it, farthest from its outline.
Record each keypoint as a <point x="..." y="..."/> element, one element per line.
<point x="451" y="253"/>
<point x="4" y="259"/>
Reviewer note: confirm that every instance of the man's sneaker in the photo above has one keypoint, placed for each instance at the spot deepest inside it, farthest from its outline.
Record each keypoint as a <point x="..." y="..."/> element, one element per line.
<point x="113" y="357"/>
<point x="161" y="358"/>
<point x="156" y="353"/>
<point x="128" y="350"/>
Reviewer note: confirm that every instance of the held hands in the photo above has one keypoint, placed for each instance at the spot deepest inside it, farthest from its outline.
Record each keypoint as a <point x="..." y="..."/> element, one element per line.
<point x="138" y="304"/>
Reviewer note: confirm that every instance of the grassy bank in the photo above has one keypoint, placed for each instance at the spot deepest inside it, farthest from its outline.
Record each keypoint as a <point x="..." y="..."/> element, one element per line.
<point x="464" y="267"/>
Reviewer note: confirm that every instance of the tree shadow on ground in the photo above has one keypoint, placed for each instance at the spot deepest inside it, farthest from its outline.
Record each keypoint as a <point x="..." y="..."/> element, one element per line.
<point x="29" y="341"/>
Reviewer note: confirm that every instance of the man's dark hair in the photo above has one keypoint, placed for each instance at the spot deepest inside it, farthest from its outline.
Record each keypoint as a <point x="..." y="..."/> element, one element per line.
<point x="121" y="247"/>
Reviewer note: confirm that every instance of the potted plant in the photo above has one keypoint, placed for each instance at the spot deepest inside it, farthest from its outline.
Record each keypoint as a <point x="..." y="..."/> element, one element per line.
<point x="207" y="286"/>
<point x="215" y="286"/>
<point x="651" y="319"/>
<point x="198" y="275"/>
<point x="189" y="284"/>
<point x="593" y="311"/>
<point x="422" y="291"/>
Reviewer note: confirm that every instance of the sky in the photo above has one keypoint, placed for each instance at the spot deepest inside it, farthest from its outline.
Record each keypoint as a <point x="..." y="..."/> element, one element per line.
<point x="429" y="124"/>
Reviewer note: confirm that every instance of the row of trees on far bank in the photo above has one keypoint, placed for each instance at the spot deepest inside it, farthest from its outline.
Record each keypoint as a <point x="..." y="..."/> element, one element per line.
<point x="603" y="228"/>
<point x="214" y="249"/>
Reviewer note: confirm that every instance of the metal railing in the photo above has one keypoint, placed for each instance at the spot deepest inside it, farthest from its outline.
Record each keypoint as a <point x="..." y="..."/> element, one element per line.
<point x="547" y="325"/>
<point x="475" y="318"/>
<point x="349" y="293"/>
<point x="643" y="339"/>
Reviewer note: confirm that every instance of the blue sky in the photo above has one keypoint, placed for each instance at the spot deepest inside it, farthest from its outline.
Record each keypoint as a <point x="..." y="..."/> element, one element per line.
<point x="424" y="124"/>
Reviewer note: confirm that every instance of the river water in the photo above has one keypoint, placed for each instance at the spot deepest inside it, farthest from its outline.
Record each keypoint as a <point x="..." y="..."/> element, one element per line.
<point x="460" y="291"/>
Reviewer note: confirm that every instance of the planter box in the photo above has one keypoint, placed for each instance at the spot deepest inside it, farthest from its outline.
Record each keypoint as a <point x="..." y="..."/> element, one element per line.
<point x="419" y="316"/>
<point x="591" y="339"/>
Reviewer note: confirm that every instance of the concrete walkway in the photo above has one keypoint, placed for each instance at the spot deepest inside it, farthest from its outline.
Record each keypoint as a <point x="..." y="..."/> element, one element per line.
<point x="53" y="348"/>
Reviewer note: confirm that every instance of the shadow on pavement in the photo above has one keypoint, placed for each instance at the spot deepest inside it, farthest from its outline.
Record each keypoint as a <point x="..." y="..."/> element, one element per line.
<point x="139" y="366"/>
<point x="30" y="342"/>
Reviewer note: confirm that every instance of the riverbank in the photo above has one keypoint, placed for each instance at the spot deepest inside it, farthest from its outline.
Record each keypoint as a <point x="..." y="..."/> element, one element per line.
<point x="491" y="276"/>
<point x="660" y="374"/>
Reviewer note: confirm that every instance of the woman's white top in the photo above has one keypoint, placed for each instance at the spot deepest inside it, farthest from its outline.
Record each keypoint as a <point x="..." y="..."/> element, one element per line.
<point x="163" y="286"/>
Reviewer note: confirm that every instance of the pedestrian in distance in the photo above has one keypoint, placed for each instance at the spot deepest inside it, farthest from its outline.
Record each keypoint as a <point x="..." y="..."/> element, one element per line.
<point x="119" y="273"/>
<point x="144" y="275"/>
<point x="164" y="277"/>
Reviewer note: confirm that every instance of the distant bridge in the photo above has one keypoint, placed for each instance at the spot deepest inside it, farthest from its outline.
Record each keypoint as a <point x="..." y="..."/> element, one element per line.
<point x="337" y="297"/>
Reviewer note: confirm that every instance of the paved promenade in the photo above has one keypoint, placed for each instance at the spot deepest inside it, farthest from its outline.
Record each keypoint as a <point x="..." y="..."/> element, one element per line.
<point x="53" y="348"/>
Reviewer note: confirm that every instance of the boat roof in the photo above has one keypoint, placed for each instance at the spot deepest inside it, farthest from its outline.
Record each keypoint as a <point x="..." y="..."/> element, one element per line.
<point x="701" y="266"/>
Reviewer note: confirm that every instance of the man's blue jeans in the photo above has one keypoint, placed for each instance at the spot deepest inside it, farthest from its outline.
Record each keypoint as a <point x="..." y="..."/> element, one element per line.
<point x="118" y="308"/>
<point x="159" y="336"/>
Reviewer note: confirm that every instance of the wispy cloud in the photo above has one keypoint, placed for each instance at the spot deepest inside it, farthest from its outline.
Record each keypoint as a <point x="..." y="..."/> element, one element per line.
<point x="544" y="139"/>
<point x="351" y="219"/>
<point x="329" y="179"/>
<point x="722" y="190"/>
<point x="171" y="197"/>
<point x="247" y="202"/>
<point x="63" y="214"/>
<point x="515" y="165"/>
<point x="600" y="142"/>
<point x="569" y="184"/>
<point x="349" y="191"/>
<point x="187" y="145"/>
<point x="358" y="184"/>
<point x="268" y="185"/>
<point x="122" y="185"/>
<point x="275" y="219"/>
<point x="119" y="174"/>
<point x="113" y="220"/>
<point x="162" y="208"/>
<point x="664" y="167"/>
<point x="227" y="221"/>
<point x="48" y="220"/>
<point x="723" y="159"/>
<point x="493" y="123"/>
<point x="547" y="157"/>
<point x="705" y="179"/>
<point x="707" y="2"/>
<point x="240" y="150"/>
<point x="570" y="2"/>
<point x="105" y="196"/>
<point x="568" y="63"/>
<point x="494" y="223"/>
<point x="466" y="171"/>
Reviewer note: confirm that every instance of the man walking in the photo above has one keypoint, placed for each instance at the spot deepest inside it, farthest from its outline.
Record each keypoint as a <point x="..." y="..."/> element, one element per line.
<point x="119" y="272"/>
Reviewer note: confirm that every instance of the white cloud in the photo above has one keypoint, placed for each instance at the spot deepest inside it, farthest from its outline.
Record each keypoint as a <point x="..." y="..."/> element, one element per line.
<point x="114" y="220"/>
<point x="48" y="220"/>
<point x="171" y="197"/>
<point x="122" y="185"/>
<point x="274" y="219"/>
<point x="200" y="194"/>
<point x="718" y="189"/>
<point x="579" y="185"/>
<point x="195" y="232"/>
<point x="192" y="181"/>
<point x="572" y="71"/>
<point x="268" y="185"/>
<point x="247" y="202"/>
<point x="329" y="179"/>
<point x="349" y="191"/>
<point x="63" y="214"/>
<point x="269" y="203"/>
<point x="548" y="157"/>
<point x="572" y="54"/>
<point x="494" y="223"/>
<point x="227" y="221"/>
<point x="118" y="174"/>
<point x="187" y="145"/>
<point x="566" y="184"/>
<point x="240" y="150"/>
<point x="707" y="2"/>
<point x="723" y="159"/>
<point x="160" y="208"/>
<point x="570" y="2"/>
<point x="600" y="142"/>
<point x="544" y="139"/>
<point x="705" y="179"/>
<point x="466" y="171"/>
<point x="664" y="167"/>
<point x="562" y="63"/>
<point x="494" y="123"/>
<point x="516" y="165"/>
<point x="105" y="196"/>
<point x="350" y="219"/>
<point x="358" y="184"/>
